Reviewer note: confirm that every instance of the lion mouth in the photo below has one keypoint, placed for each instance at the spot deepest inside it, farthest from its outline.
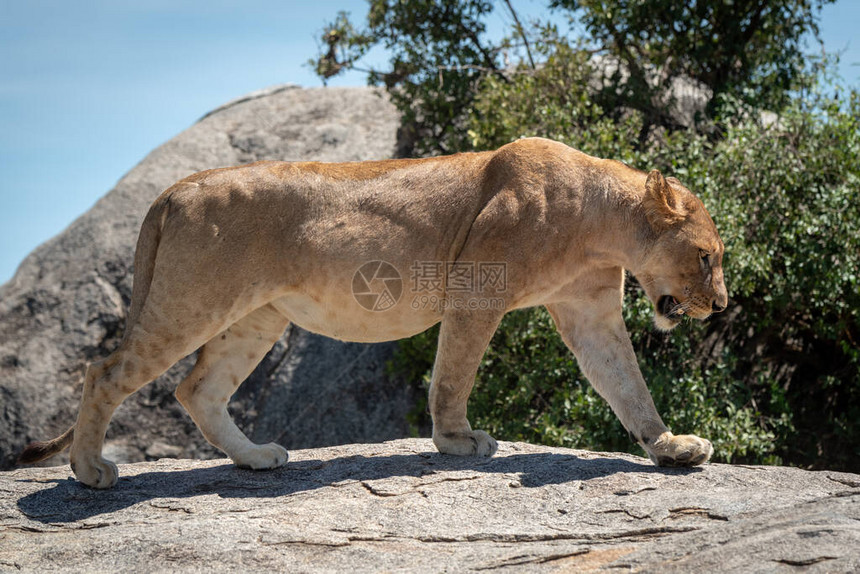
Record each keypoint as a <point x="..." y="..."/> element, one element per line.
<point x="670" y="308"/>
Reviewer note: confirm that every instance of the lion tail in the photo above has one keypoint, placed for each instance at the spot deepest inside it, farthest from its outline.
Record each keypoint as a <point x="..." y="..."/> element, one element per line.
<point x="40" y="450"/>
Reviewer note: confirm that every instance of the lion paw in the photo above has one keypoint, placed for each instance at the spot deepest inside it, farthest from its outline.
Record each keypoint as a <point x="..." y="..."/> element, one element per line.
<point x="681" y="450"/>
<point x="261" y="456"/>
<point x="469" y="443"/>
<point x="96" y="472"/>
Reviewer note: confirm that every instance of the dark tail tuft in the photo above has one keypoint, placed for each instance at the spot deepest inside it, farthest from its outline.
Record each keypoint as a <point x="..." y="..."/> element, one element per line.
<point x="37" y="451"/>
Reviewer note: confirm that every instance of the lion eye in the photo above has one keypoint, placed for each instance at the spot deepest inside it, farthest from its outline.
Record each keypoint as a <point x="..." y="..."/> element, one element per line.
<point x="706" y="257"/>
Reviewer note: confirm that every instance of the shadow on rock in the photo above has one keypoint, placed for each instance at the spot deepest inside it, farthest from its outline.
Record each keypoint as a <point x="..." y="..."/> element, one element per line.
<point x="70" y="501"/>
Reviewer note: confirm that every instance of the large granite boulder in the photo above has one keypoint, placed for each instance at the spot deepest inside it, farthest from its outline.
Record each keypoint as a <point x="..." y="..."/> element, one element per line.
<point x="402" y="507"/>
<point x="66" y="304"/>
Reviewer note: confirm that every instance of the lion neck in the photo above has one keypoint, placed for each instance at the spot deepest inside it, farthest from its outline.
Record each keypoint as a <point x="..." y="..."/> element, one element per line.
<point x="615" y="219"/>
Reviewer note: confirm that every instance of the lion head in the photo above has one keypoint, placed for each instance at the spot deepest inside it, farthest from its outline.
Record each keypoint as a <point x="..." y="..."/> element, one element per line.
<point x="682" y="273"/>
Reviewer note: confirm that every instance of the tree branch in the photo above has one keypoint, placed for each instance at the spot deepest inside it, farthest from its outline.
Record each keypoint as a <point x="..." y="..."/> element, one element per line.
<point x="522" y="32"/>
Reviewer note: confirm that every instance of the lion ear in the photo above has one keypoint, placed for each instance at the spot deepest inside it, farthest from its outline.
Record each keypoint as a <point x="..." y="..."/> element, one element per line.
<point x="663" y="204"/>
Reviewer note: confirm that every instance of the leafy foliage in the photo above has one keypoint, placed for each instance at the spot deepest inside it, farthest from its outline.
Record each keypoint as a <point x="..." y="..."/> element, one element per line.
<point x="747" y="49"/>
<point x="552" y="101"/>
<point x="438" y="54"/>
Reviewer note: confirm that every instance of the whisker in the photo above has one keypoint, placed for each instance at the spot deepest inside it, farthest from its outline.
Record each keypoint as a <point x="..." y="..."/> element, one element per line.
<point x="676" y="308"/>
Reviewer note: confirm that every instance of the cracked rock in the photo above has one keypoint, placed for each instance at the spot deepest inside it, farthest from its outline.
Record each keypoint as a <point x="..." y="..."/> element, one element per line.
<point x="401" y="506"/>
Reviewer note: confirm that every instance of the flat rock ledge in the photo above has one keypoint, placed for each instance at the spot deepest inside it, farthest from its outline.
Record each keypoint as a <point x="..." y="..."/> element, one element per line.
<point x="401" y="506"/>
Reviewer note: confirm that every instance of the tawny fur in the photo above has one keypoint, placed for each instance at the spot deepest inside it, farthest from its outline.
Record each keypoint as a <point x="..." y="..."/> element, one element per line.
<point x="226" y="258"/>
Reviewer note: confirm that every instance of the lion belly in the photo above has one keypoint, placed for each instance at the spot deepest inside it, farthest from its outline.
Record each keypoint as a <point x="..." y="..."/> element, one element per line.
<point x="330" y="315"/>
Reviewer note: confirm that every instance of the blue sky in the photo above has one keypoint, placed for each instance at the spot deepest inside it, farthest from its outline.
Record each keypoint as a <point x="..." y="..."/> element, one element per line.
<point x="87" y="89"/>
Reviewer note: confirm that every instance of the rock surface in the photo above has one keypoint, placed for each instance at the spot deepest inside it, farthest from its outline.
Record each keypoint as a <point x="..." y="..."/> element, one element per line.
<point x="66" y="304"/>
<point x="401" y="506"/>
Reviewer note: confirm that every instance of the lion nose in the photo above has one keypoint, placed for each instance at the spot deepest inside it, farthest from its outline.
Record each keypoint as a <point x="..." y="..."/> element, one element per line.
<point x="717" y="308"/>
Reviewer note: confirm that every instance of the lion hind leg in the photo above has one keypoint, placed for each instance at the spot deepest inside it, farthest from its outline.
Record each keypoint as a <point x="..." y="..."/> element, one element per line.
<point x="149" y="349"/>
<point x="106" y="384"/>
<point x="222" y="364"/>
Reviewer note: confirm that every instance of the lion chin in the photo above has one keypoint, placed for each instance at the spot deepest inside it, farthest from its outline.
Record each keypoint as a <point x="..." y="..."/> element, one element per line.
<point x="228" y="258"/>
<point x="668" y="313"/>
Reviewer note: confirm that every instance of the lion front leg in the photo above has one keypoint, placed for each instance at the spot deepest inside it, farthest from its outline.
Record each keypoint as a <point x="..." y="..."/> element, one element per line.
<point x="594" y="331"/>
<point x="463" y="339"/>
<point x="681" y="450"/>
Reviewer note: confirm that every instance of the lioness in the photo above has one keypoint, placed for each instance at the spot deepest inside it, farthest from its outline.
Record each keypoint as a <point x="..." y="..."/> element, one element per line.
<point x="226" y="258"/>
